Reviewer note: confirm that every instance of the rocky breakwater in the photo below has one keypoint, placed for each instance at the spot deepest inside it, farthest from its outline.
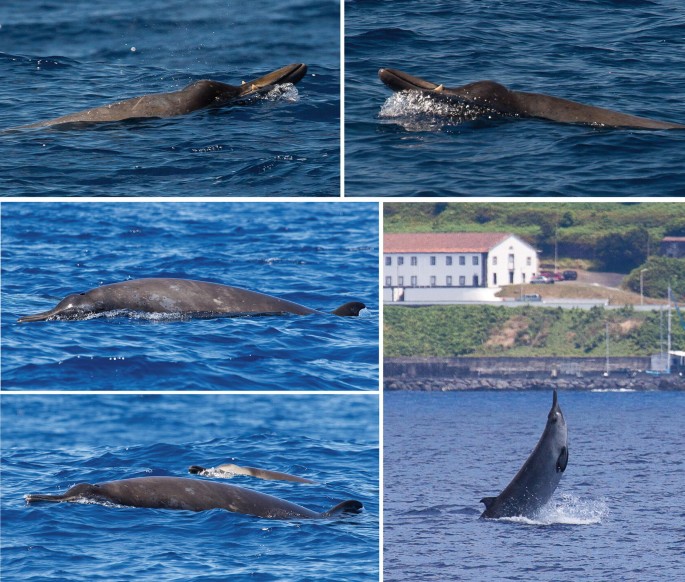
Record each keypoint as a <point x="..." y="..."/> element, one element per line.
<point x="640" y="381"/>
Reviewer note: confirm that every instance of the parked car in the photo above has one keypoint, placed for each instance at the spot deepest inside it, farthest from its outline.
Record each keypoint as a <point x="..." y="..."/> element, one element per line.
<point x="570" y="275"/>
<point x="542" y="280"/>
<point x="552" y="275"/>
<point x="531" y="297"/>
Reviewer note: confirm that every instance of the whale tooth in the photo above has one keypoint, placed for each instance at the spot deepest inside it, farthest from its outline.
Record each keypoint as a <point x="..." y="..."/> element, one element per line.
<point x="439" y="88"/>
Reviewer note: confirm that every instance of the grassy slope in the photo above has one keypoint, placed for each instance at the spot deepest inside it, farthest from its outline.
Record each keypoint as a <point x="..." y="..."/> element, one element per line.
<point x="460" y="330"/>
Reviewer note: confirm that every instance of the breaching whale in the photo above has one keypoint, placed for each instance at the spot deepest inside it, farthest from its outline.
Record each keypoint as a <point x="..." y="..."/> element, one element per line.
<point x="192" y="495"/>
<point x="534" y="484"/>
<point x="176" y="296"/>
<point x="195" y="96"/>
<point x="229" y="470"/>
<point x="490" y="97"/>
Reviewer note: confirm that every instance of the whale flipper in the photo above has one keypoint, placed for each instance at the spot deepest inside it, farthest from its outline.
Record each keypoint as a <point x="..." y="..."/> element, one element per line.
<point x="562" y="461"/>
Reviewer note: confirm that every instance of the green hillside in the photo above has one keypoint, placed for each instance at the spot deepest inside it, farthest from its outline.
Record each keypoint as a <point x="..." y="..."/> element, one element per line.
<point x="610" y="237"/>
<point x="484" y="330"/>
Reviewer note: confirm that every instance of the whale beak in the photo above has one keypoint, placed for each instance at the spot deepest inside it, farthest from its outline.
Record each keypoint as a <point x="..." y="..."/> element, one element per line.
<point x="38" y="317"/>
<point x="288" y="74"/>
<point x="401" y="81"/>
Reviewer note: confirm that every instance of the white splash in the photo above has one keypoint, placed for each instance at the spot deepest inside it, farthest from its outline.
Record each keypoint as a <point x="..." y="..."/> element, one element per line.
<point x="567" y="510"/>
<point x="284" y="92"/>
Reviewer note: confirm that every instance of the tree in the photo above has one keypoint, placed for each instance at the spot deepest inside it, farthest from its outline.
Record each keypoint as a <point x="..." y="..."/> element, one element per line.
<point x="621" y="252"/>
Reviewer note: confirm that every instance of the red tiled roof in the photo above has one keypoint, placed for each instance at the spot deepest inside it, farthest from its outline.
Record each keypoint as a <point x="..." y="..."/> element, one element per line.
<point x="679" y="239"/>
<point x="442" y="242"/>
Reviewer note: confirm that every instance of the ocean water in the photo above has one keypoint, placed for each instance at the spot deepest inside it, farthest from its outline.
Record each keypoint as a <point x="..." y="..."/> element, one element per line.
<point x="51" y="442"/>
<point x="626" y="55"/>
<point x="616" y="515"/>
<point x="57" y="58"/>
<point x="318" y="254"/>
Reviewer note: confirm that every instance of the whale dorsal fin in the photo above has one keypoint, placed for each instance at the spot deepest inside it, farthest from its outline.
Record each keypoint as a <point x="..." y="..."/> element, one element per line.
<point x="488" y="502"/>
<point x="350" y="506"/>
<point x="350" y="309"/>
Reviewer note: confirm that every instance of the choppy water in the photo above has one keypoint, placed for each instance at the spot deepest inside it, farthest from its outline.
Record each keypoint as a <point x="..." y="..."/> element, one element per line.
<point x="616" y="515"/>
<point x="57" y="58"/>
<point x="319" y="254"/>
<point x="51" y="442"/>
<point x="622" y="55"/>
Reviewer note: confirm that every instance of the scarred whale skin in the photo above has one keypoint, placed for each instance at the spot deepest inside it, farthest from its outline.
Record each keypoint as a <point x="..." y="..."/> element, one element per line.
<point x="176" y="296"/>
<point x="192" y="495"/>
<point x="195" y="96"/>
<point x="230" y="469"/>
<point x="536" y="481"/>
<point x="496" y="97"/>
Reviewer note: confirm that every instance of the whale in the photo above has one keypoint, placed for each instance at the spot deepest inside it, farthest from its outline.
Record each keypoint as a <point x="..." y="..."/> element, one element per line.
<point x="487" y="97"/>
<point x="197" y="95"/>
<point x="229" y="470"/>
<point x="536" y="481"/>
<point x="191" y="495"/>
<point x="184" y="297"/>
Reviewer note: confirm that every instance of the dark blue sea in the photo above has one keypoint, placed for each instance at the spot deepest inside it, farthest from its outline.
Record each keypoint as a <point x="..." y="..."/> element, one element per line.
<point x="51" y="442"/>
<point x="616" y="515"/>
<point x="318" y="254"/>
<point x="61" y="57"/>
<point x="627" y="55"/>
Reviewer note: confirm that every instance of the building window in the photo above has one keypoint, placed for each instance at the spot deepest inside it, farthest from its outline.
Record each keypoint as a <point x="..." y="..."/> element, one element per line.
<point x="475" y="280"/>
<point x="413" y="281"/>
<point x="523" y="277"/>
<point x="448" y="261"/>
<point x="494" y="278"/>
<point x="528" y="261"/>
<point x="388" y="261"/>
<point x="388" y="281"/>
<point x="475" y="259"/>
<point x="432" y="261"/>
<point x="462" y="281"/>
<point x="511" y="261"/>
<point x="433" y="281"/>
<point x="400" y="261"/>
<point x="511" y="277"/>
<point x="494" y="261"/>
<point x="462" y="260"/>
<point x="400" y="281"/>
<point x="449" y="281"/>
<point x="414" y="261"/>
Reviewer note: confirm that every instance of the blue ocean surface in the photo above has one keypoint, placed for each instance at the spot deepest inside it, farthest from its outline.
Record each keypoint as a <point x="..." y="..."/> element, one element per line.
<point x="318" y="254"/>
<point x="51" y="442"/>
<point x="626" y="55"/>
<point x="57" y="58"/>
<point x="616" y="515"/>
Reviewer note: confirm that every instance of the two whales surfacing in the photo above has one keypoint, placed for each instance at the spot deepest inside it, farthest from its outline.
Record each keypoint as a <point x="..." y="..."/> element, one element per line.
<point x="176" y="297"/>
<point x="486" y="97"/>
<point x="197" y="95"/>
<point x="192" y="495"/>
<point x="536" y="481"/>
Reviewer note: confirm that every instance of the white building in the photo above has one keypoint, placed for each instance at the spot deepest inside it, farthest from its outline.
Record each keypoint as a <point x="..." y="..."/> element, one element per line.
<point x="453" y="266"/>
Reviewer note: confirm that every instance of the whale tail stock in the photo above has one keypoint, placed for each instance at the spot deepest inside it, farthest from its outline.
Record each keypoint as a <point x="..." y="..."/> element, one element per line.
<point x="350" y="309"/>
<point x="350" y="506"/>
<point x="566" y="111"/>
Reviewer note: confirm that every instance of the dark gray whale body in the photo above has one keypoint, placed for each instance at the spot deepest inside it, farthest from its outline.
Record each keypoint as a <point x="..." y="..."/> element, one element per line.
<point x="534" y="484"/>
<point x="178" y="297"/>
<point x="192" y="495"/>
<point x="490" y="96"/>
<point x="195" y="96"/>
